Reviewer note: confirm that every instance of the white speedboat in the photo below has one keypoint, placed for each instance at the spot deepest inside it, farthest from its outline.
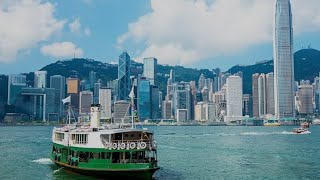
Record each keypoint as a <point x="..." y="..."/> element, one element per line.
<point x="299" y="130"/>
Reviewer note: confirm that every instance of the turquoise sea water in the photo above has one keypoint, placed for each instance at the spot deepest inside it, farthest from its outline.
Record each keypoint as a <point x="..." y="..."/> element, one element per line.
<point x="184" y="152"/>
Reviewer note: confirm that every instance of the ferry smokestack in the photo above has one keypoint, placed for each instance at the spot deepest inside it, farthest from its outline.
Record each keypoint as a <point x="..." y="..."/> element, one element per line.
<point x="95" y="116"/>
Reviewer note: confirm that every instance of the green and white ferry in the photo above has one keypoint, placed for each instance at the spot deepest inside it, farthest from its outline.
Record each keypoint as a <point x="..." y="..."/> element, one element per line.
<point x="105" y="150"/>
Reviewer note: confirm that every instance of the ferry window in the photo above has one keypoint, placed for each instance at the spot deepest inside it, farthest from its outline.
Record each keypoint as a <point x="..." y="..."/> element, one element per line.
<point x="108" y="155"/>
<point x="80" y="138"/>
<point x="96" y="155"/>
<point x="103" y="155"/>
<point x="58" y="136"/>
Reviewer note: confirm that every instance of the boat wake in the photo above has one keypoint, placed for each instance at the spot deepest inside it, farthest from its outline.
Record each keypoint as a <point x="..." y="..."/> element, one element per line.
<point x="43" y="161"/>
<point x="57" y="170"/>
<point x="270" y="133"/>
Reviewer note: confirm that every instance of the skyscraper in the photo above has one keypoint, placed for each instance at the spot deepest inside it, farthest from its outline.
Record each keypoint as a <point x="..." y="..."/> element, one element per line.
<point x="86" y="99"/>
<point x="92" y="78"/>
<point x="124" y="82"/>
<point x="155" y="103"/>
<point x="181" y="99"/>
<point x="105" y="99"/>
<point x="234" y="98"/>
<point x="144" y="98"/>
<point x="283" y="60"/>
<point x="255" y="95"/>
<point x="201" y="82"/>
<point x="270" y="93"/>
<point x="305" y="103"/>
<point x="40" y="79"/>
<point x="262" y="95"/>
<point x="150" y="69"/>
<point x="73" y="91"/>
<point x="15" y="83"/>
<point x="59" y="84"/>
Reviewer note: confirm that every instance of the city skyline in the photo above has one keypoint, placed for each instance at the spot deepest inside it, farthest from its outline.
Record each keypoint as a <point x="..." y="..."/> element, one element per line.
<point x="74" y="33"/>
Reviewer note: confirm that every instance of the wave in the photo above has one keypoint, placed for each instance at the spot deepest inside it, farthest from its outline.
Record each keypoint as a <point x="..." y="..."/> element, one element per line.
<point x="270" y="133"/>
<point x="43" y="161"/>
<point x="57" y="170"/>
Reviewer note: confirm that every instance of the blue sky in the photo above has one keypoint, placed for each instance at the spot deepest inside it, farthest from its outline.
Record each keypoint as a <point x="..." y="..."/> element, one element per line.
<point x="191" y="33"/>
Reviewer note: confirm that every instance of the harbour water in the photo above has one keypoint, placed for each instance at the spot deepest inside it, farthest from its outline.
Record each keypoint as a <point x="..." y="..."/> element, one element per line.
<point x="184" y="152"/>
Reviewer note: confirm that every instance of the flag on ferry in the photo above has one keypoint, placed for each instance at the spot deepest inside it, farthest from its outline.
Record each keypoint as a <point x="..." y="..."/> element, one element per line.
<point x="66" y="100"/>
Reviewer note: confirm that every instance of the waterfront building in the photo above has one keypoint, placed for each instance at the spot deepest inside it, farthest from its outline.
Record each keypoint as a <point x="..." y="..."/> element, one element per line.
<point x="182" y="99"/>
<point x="124" y="81"/>
<point x="15" y="83"/>
<point x="38" y="103"/>
<point x="58" y="83"/>
<point x="305" y="100"/>
<point x="86" y="99"/>
<point x="150" y="69"/>
<point x="234" y="98"/>
<point x="166" y="109"/>
<point x="144" y="98"/>
<point x="270" y="93"/>
<point x="200" y="112"/>
<point x="255" y="95"/>
<point x="3" y="95"/>
<point x="40" y="79"/>
<point x="283" y="60"/>
<point x="105" y="100"/>
<point x="182" y="115"/>
<point x="262" y="95"/>
<point x="121" y="112"/>
<point x="247" y="105"/>
<point x="155" y="103"/>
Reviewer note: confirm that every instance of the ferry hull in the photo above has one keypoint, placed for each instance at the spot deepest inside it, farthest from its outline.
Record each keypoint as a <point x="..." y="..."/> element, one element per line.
<point x="111" y="173"/>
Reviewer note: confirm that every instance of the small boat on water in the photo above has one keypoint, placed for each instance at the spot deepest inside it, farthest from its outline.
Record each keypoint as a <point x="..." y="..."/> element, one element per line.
<point x="119" y="151"/>
<point x="299" y="130"/>
<point x="271" y="123"/>
<point x="302" y="129"/>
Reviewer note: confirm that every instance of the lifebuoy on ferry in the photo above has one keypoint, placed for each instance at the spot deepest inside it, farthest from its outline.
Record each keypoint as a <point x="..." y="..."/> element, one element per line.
<point x="114" y="145"/>
<point x="143" y="145"/>
<point x="132" y="145"/>
<point x="122" y="145"/>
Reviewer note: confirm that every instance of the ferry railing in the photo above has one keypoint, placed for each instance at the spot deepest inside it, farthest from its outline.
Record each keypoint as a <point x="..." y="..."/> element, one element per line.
<point x="148" y="142"/>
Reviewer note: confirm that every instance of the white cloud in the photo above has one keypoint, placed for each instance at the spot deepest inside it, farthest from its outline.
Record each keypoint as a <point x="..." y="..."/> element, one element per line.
<point x="186" y="31"/>
<point x="62" y="50"/>
<point x="75" y="25"/>
<point x="23" y="24"/>
<point x="87" y="31"/>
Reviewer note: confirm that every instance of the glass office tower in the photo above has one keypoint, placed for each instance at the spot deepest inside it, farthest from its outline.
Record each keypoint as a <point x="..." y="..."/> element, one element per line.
<point x="283" y="61"/>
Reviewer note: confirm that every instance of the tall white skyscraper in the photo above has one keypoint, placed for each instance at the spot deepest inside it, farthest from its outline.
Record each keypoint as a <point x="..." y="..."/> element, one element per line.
<point x="283" y="60"/>
<point x="234" y="98"/>
<point x="150" y="69"/>
<point x="106" y="102"/>
<point x="40" y="79"/>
